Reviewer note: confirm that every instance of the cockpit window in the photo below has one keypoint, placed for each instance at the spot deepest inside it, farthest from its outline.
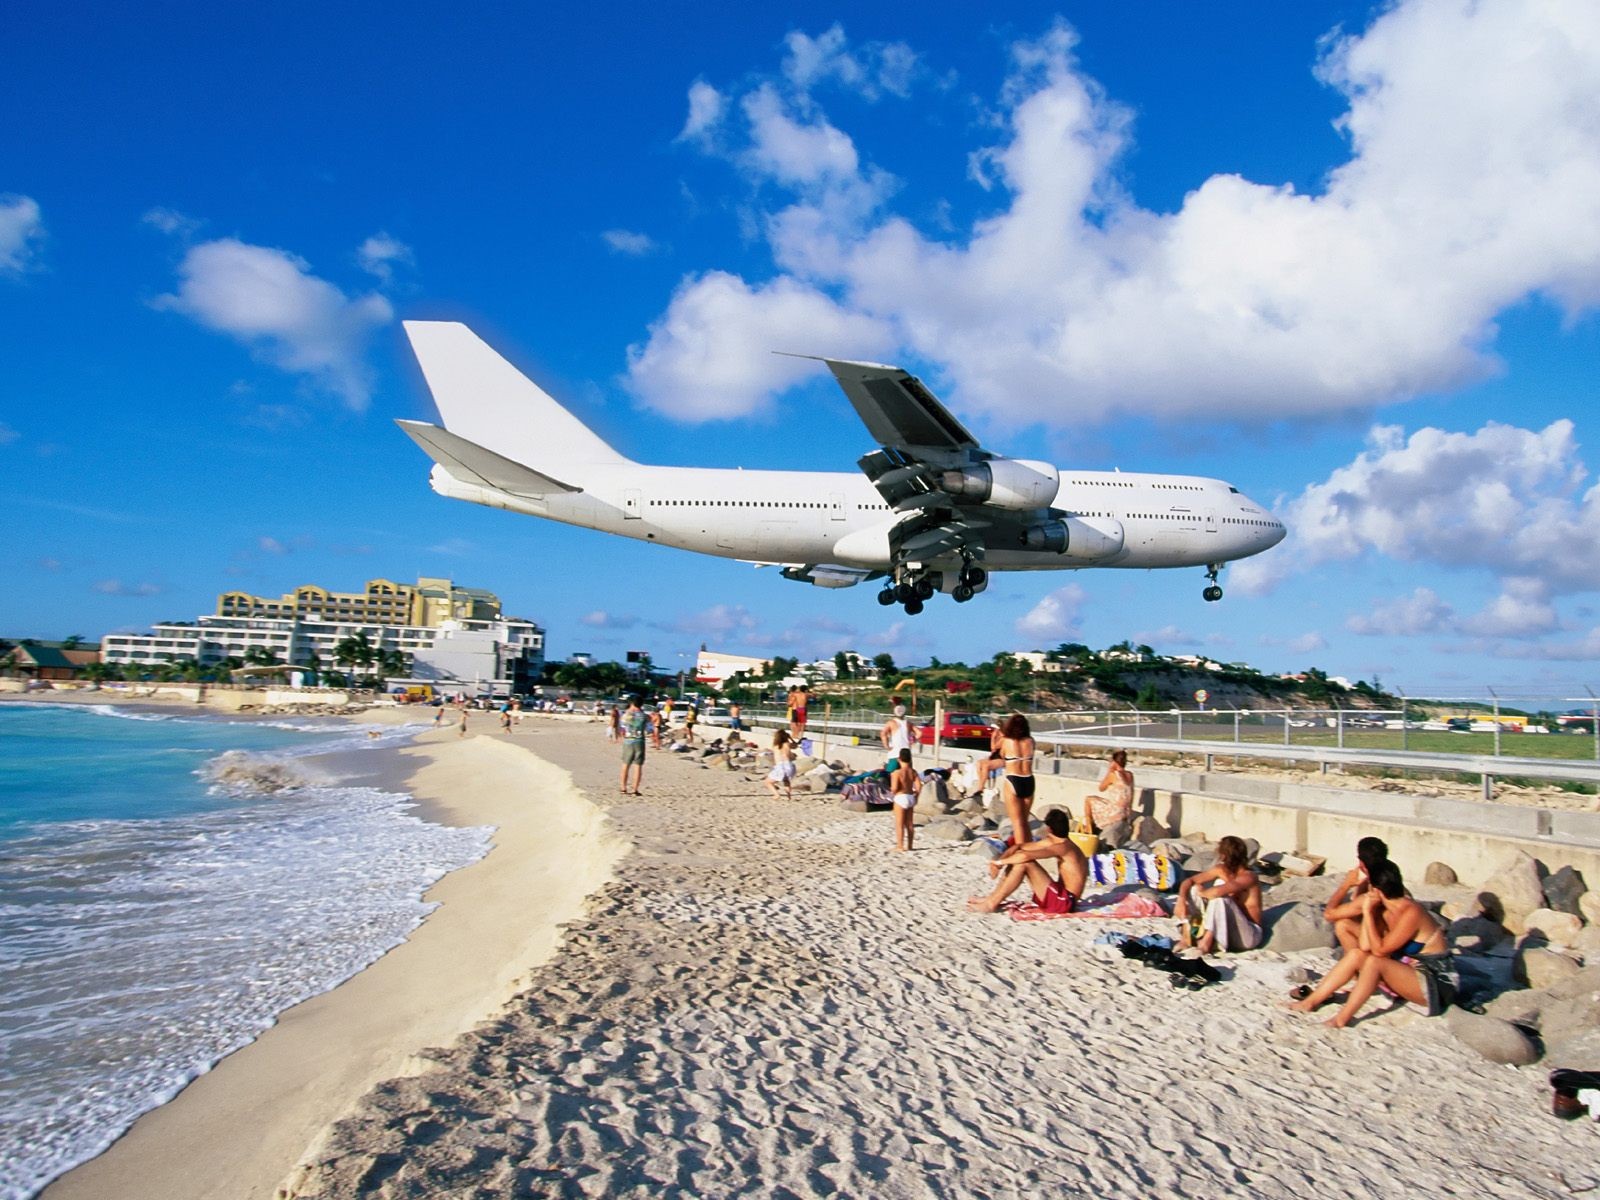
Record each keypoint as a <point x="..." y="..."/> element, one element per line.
<point x="1234" y="490"/>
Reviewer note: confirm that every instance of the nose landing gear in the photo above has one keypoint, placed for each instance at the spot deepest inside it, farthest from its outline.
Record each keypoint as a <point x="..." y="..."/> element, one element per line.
<point x="1213" y="591"/>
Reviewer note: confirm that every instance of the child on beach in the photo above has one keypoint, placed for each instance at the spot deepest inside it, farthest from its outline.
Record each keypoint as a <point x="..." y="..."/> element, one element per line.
<point x="462" y="729"/>
<point x="614" y="731"/>
<point x="903" y="788"/>
<point x="1024" y="863"/>
<point x="782" y="765"/>
<point x="1401" y="948"/>
<point x="1221" y="907"/>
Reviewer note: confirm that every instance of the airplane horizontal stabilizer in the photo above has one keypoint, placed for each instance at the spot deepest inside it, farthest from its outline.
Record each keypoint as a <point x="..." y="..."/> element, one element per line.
<point x="471" y="463"/>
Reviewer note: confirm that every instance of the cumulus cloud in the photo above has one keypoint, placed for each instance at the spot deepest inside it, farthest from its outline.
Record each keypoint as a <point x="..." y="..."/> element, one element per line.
<point x="1307" y="643"/>
<point x="170" y="221"/>
<point x="869" y="70"/>
<point x="710" y="355"/>
<point x="21" y="232"/>
<point x="1521" y="610"/>
<point x="1421" y="612"/>
<point x="706" y="106"/>
<point x="1472" y="183"/>
<point x="600" y="619"/>
<point x="268" y="300"/>
<point x="380" y="254"/>
<point x="1054" y="618"/>
<point x="626" y="241"/>
<point x="720" y="620"/>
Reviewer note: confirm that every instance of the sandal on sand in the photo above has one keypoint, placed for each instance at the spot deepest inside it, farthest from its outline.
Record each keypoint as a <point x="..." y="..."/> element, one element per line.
<point x="1301" y="992"/>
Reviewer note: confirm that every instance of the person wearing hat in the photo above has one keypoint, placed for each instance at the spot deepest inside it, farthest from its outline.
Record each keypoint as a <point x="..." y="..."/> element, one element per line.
<point x="896" y="736"/>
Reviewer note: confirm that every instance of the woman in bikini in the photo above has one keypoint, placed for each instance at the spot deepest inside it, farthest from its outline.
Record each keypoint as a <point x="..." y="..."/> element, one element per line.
<point x="1402" y="949"/>
<point x="1016" y="756"/>
<point x="1115" y="801"/>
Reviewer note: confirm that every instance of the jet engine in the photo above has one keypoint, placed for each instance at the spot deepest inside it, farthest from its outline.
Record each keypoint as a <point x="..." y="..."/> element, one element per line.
<point x="1080" y="539"/>
<point x="1012" y="483"/>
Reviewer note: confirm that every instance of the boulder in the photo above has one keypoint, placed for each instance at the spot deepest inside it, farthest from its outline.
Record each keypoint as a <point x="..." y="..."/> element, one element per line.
<point x="1498" y="1041"/>
<point x="859" y="806"/>
<point x="1150" y="831"/>
<point x="1296" y="926"/>
<point x="1537" y="966"/>
<point x="1202" y="859"/>
<point x="805" y="764"/>
<point x="947" y="829"/>
<point x="1463" y="910"/>
<point x="1579" y="1053"/>
<point x="1116" y="834"/>
<point x="1252" y="850"/>
<point x="1519" y="890"/>
<point x="1587" y="943"/>
<point x="1562" y="891"/>
<point x="1558" y="928"/>
<point x="1475" y="935"/>
<point x="1438" y="874"/>
<point x="1589" y="907"/>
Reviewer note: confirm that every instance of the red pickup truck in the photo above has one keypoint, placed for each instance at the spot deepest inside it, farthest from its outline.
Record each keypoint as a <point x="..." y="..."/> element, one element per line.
<point x="963" y="729"/>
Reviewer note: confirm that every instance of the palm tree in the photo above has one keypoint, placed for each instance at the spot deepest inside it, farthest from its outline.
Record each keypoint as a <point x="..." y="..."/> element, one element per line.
<point x="356" y="650"/>
<point x="388" y="663"/>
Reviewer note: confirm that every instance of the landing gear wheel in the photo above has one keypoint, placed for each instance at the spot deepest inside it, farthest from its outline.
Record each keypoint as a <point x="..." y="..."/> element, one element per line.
<point x="913" y="607"/>
<point x="962" y="593"/>
<point x="1212" y="593"/>
<point x="886" y="597"/>
<point x="904" y="593"/>
<point x="924" y="588"/>
<point x="974" y="577"/>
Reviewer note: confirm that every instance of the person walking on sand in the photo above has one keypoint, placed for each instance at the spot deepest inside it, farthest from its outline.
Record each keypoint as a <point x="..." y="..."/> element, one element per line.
<point x="656" y="721"/>
<point x="690" y="716"/>
<point x="635" y="723"/>
<point x="903" y="788"/>
<point x="1221" y="907"/>
<point x="896" y="735"/>
<point x="782" y="766"/>
<point x="461" y="730"/>
<point x="438" y="715"/>
<point x="1402" y="948"/>
<point x="1025" y="862"/>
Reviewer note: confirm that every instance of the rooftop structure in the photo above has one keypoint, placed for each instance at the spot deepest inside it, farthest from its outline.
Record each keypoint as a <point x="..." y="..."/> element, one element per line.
<point x="426" y="604"/>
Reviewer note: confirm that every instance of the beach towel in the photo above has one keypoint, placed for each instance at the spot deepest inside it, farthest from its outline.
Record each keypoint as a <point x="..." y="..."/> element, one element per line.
<point x="1117" y="868"/>
<point x="868" y="790"/>
<point x="1128" y="906"/>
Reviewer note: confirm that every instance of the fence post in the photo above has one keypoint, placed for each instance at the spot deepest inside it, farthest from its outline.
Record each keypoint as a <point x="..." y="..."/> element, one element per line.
<point x="1286" y="727"/>
<point x="1405" y="724"/>
<point x="1486" y="784"/>
<point x="1180" y="724"/>
<point x="938" y="730"/>
<point x="1236" y="727"/>
<point x="1341" y="737"/>
<point x="827" y="724"/>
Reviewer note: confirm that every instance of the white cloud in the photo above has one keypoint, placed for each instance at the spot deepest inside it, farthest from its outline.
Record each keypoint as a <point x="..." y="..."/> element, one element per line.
<point x="1168" y="635"/>
<point x="455" y="547"/>
<point x="1307" y="643"/>
<point x="380" y="254"/>
<point x="115" y="587"/>
<point x="626" y="241"/>
<point x="271" y="545"/>
<point x="710" y="357"/>
<point x="600" y="619"/>
<point x="1473" y="183"/>
<point x="706" y="108"/>
<point x="720" y="620"/>
<point x="869" y="70"/>
<point x="1405" y="616"/>
<point x="21" y="231"/>
<point x="1055" y="618"/>
<point x="1522" y="610"/>
<point x="269" y="300"/>
<point x="170" y="221"/>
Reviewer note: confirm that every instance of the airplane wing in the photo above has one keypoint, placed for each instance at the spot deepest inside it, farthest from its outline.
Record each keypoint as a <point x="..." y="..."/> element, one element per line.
<point x="900" y="412"/>
<point x="471" y="463"/>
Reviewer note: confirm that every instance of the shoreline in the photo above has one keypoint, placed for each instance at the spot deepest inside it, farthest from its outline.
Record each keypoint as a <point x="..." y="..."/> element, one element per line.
<point x="237" y="1131"/>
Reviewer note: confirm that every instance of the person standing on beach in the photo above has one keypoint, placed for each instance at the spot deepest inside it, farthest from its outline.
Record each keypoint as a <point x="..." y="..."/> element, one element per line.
<point x="896" y="735"/>
<point x="614" y="732"/>
<point x="438" y="715"/>
<point x="1024" y="862"/>
<point x="903" y="788"/>
<point x="735" y="721"/>
<point x="799" y="699"/>
<point x="690" y="716"/>
<point x="635" y="722"/>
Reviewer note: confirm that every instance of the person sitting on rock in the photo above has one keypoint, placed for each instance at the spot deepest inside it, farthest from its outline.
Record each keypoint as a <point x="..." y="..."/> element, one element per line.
<point x="1221" y="907"/>
<point x="1024" y="862"/>
<point x="1401" y="947"/>
<point x="1343" y="910"/>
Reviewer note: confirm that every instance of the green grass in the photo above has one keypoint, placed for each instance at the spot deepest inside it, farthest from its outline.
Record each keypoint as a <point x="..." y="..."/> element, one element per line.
<point x="1512" y="745"/>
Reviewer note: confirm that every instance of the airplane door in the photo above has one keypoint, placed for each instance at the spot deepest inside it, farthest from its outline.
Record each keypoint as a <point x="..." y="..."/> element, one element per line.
<point x="630" y="504"/>
<point x="1211" y="520"/>
<point x="836" y="506"/>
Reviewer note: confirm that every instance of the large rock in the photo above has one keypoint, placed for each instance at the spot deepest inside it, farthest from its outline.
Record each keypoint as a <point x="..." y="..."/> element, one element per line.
<point x="1475" y="935"/>
<point x="1116" y="834"/>
<point x="1498" y="1041"/>
<point x="1462" y="910"/>
<point x="1518" y="889"/>
<point x="1296" y="926"/>
<point x="1587" y="943"/>
<point x="1539" y="967"/>
<point x="1438" y="874"/>
<point x="1150" y="831"/>
<point x="1578" y="1053"/>
<point x="1558" y="928"/>
<point x="1563" y="890"/>
<point x="947" y="829"/>
<point x="1589" y="907"/>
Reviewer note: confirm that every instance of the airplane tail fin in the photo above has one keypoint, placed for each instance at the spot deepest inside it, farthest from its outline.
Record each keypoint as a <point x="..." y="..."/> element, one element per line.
<point x="496" y="409"/>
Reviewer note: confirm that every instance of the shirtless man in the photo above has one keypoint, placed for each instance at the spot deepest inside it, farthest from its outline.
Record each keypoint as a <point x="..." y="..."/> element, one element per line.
<point x="1024" y="863"/>
<point x="1222" y="905"/>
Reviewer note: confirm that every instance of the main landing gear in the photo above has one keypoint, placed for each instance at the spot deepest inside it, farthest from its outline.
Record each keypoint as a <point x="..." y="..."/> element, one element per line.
<point x="916" y="588"/>
<point x="1213" y="592"/>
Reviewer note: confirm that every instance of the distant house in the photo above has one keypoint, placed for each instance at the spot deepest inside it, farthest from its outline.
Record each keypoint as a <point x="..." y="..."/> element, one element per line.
<point x="1039" y="661"/>
<point x="43" y="660"/>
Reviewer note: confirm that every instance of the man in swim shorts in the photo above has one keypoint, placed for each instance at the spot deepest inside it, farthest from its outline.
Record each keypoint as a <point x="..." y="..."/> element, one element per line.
<point x="634" y="726"/>
<point x="1025" y="863"/>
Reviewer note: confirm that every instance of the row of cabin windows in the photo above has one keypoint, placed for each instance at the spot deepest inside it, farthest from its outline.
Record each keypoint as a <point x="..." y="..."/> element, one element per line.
<point x="1246" y="521"/>
<point x="739" y="504"/>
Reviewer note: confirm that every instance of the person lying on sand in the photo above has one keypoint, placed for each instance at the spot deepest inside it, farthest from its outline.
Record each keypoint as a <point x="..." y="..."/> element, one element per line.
<point x="1343" y="910"/>
<point x="1221" y="907"/>
<point x="1024" y="862"/>
<point x="1401" y="948"/>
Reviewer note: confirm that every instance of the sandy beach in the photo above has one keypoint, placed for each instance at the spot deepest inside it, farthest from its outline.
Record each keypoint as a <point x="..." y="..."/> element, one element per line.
<point x="768" y="1002"/>
<point x="236" y="1131"/>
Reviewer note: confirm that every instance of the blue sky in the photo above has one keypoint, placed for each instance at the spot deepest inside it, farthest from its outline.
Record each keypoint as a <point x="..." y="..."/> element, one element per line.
<point x="1346" y="256"/>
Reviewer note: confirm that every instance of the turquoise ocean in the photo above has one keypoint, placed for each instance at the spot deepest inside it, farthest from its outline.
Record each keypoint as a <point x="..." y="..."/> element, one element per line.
<point x="168" y="886"/>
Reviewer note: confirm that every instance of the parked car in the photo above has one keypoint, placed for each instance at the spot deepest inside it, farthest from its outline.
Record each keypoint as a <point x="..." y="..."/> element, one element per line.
<point x="965" y="729"/>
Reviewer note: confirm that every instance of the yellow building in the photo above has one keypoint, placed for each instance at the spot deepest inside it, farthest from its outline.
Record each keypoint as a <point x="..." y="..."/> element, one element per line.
<point x="426" y="604"/>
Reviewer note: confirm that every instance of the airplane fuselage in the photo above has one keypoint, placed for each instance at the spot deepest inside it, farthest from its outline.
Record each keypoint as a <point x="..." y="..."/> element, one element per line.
<point x="1120" y="519"/>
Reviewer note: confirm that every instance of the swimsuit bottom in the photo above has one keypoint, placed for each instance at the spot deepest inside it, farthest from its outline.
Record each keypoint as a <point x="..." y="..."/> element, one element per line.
<point x="1440" y="981"/>
<point x="1022" y="785"/>
<point x="1056" y="899"/>
<point x="905" y="799"/>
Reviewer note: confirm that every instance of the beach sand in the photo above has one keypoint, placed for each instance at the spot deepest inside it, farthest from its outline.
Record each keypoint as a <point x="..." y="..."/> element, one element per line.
<point x="236" y="1132"/>
<point x="768" y="1002"/>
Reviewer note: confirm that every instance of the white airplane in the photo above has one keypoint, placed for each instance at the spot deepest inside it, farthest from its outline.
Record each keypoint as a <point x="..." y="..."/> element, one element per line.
<point x="931" y="510"/>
